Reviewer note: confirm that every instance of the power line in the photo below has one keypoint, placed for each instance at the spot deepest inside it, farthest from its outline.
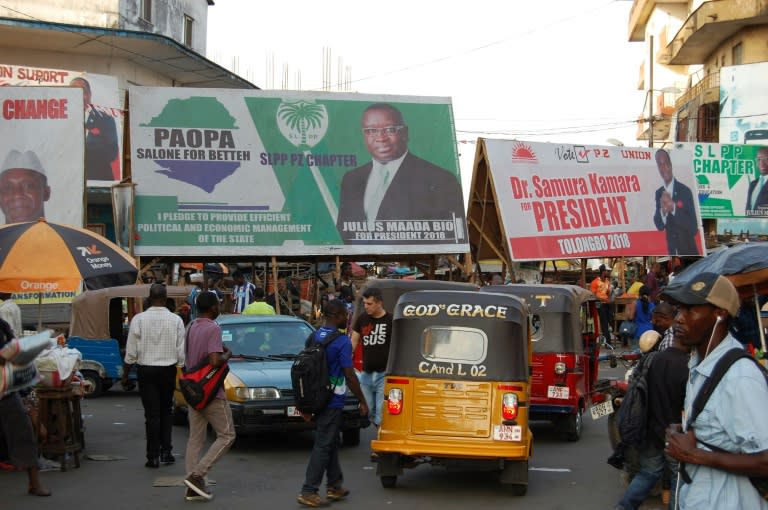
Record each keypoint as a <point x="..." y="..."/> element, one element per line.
<point x="482" y="47"/>
<point x="585" y="128"/>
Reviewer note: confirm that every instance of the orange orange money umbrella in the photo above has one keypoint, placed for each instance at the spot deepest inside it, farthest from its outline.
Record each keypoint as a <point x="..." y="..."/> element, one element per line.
<point x="42" y="257"/>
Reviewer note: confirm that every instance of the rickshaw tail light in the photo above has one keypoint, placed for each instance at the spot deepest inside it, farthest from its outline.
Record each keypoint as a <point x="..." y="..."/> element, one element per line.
<point x="395" y="401"/>
<point x="509" y="406"/>
<point x="559" y="368"/>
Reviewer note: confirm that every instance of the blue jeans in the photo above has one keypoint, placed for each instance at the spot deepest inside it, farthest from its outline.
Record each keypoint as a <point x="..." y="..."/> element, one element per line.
<point x="652" y="464"/>
<point x="372" y="384"/>
<point x="325" y="452"/>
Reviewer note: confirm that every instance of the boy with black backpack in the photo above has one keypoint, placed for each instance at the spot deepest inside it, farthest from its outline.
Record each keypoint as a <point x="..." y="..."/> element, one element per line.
<point x="658" y="394"/>
<point x="726" y="443"/>
<point x="325" y="456"/>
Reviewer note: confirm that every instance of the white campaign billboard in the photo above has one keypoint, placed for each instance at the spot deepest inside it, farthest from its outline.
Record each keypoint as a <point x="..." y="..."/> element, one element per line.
<point x="566" y="201"/>
<point x="744" y="104"/>
<point x="103" y="115"/>
<point x="41" y="153"/>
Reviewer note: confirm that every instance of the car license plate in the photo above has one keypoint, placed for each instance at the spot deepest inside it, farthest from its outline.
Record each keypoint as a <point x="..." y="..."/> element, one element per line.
<point x="558" y="392"/>
<point x="507" y="432"/>
<point x="292" y="411"/>
<point x="602" y="409"/>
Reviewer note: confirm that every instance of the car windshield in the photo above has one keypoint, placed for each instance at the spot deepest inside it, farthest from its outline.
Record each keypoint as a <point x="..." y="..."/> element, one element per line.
<point x="265" y="339"/>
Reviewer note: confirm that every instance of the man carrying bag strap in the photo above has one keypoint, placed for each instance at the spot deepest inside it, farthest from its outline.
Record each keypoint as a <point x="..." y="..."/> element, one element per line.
<point x="204" y="341"/>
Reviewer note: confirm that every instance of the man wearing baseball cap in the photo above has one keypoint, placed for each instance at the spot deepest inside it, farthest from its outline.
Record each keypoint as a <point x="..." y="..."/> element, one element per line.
<point x="728" y="441"/>
<point x="23" y="187"/>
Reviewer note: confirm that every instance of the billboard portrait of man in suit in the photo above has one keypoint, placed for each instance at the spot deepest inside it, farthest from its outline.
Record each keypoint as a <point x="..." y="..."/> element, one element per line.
<point x="395" y="184"/>
<point x="757" y="195"/>
<point x="675" y="210"/>
<point x="101" y="147"/>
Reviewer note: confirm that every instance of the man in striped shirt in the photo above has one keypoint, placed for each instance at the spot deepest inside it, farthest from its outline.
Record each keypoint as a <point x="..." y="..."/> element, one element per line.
<point x="156" y="345"/>
<point x="242" y="292"/>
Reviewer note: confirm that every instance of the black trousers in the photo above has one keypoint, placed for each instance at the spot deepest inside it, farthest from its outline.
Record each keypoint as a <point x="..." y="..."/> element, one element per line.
<point x="156" y="386"/>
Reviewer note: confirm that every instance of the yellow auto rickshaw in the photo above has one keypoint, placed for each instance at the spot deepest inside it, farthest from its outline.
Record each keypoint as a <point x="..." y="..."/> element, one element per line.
<point x="457" y="386"/>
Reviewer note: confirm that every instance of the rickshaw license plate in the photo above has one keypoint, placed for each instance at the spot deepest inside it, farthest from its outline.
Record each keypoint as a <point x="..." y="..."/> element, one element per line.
<point x="558" y="392"/>
<point x="507" y="432"/>
<point x="602" y="409"/>
<point x="292" y="411"/>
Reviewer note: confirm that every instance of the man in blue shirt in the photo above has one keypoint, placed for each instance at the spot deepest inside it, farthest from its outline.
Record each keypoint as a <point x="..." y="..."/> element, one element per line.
<point x="325" y="454"/>
<point x="734" y="419"/>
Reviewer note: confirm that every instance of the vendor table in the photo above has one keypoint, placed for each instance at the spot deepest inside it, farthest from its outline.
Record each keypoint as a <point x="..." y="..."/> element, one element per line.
<point x="60" y="414"/>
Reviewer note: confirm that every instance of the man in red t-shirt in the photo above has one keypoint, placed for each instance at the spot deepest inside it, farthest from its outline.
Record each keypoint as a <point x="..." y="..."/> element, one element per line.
<point x="204" y="342"/>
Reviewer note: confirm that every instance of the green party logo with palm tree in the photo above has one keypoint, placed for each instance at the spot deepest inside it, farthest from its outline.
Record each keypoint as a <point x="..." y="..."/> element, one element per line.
<point x="302" y="122"/>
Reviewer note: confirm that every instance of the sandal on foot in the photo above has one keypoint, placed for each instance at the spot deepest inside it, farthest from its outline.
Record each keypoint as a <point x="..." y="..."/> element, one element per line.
<point x="38" y="491"/>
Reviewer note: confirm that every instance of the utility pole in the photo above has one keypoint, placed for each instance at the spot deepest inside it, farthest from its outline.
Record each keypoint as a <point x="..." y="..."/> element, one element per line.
<point x="650" y="92"/>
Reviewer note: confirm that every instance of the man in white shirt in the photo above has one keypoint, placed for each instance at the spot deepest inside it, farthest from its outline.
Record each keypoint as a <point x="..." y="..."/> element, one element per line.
<point x="156" y="345"/>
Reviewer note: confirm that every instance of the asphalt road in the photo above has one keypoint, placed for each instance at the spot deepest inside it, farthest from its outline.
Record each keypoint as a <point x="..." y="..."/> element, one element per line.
<point x="267" y="471"/>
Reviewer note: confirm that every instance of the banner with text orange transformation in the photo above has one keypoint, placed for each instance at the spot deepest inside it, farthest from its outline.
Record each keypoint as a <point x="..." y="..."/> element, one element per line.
<point x="579" y="201"/>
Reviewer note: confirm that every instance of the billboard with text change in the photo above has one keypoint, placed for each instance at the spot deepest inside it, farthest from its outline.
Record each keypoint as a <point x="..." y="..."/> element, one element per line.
<point x="103" y="115"/>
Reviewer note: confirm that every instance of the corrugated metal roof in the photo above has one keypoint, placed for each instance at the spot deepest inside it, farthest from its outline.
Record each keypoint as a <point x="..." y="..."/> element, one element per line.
<point x="158" y="53"/>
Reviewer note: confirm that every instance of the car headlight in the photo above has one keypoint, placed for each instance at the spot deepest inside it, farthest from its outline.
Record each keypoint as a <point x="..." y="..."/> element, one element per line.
<point x="259" y="393"/>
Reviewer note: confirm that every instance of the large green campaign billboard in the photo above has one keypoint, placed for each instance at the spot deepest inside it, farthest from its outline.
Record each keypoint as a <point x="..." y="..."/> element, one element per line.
<point x="731" y="179"/>
<point x="230" y="172"/>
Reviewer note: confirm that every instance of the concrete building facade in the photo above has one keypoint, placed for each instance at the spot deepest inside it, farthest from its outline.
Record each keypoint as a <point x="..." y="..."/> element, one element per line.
<point x="694" y="40"/>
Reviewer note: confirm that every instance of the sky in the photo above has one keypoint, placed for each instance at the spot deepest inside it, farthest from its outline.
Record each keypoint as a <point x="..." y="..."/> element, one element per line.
<point x="548" y="70"/>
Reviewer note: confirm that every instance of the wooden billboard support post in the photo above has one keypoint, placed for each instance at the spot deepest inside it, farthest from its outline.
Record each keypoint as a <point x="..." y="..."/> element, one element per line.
<point x="274" y="282"/>
<point x="484" y="223"/>
<point x="337" y="272"/>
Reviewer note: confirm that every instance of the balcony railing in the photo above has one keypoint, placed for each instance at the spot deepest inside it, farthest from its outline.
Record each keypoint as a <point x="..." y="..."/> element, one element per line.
<point x="709" y="25"/>
<point x="710" y="81"/>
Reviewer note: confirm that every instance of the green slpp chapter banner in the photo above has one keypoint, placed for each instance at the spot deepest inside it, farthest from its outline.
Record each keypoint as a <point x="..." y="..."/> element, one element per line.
<point x="230" y="172"/>
<point x="727" y="178"/>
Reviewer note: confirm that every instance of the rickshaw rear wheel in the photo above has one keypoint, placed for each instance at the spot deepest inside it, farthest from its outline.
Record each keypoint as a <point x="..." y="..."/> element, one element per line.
<point x="94" y="383"/>
<point x="388" y="482"/>
<point x="571" y="425"/>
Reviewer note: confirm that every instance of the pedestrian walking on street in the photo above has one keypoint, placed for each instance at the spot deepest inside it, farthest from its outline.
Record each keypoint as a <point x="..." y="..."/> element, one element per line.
<point x="259" y="306"/>
<point x="204" y="342"/>
<point x="325" y="452"/>
<point x="156" y="344"/>
<point x="373" y="329"/>
<point x="727" y="442"/>
<point x="16" y="430"/>
<point x="666" y="378"/>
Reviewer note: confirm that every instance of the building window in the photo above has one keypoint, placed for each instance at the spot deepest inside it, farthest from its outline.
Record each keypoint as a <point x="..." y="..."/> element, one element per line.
<point x="146" y="10"/>
<point x="188" y="22"/>
<point x="737" y="54"/>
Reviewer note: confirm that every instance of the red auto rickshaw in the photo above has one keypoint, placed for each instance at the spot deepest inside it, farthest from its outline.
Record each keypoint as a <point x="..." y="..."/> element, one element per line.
<point x="565" y="352"/>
